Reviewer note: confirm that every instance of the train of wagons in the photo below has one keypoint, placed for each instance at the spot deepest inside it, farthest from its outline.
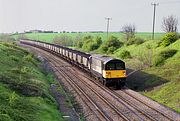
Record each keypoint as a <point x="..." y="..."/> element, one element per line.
<point x="108" y="70"/>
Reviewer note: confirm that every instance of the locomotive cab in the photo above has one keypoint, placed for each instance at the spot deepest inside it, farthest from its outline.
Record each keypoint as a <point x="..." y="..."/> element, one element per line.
<point x="114" y="72"/>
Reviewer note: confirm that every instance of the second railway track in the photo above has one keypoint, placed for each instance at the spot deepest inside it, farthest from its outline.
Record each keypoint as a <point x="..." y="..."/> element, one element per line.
<point x="103" y="102"/>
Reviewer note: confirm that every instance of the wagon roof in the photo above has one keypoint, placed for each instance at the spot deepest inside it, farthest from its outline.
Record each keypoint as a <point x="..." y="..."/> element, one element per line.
<point x="86" y="55"/>
<point x="74" y="51"/>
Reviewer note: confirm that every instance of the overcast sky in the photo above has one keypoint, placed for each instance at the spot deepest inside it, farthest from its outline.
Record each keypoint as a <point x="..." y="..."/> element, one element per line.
<point x="83" y="15"/>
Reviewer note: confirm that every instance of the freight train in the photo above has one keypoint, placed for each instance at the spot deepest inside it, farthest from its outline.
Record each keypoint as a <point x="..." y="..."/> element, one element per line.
<point x="108" y="70"/>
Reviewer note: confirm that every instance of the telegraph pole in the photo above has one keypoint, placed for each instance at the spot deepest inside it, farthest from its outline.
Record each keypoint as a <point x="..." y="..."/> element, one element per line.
<point x="108" y="19"/>
<point x="154" y="15"/>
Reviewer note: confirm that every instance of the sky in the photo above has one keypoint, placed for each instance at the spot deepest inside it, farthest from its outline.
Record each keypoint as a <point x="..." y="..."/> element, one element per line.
<point x="83" y="15"/>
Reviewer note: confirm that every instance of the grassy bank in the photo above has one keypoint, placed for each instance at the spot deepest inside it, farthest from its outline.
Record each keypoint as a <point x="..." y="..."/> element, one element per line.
<point x="24" y="87"/>
<point x="161" y="83"/>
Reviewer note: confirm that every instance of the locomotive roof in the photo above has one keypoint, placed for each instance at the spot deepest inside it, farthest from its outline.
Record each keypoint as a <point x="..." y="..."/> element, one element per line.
<point x="105" y="59"/>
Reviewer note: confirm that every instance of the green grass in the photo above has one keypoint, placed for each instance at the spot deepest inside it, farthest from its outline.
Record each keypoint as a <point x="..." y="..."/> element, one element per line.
<point x="24" y="87"/>
<point x="168" y="95"/>
<point x="48" y="37"/>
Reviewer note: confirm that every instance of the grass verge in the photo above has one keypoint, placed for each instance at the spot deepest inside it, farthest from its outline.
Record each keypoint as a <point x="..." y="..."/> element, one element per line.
<point x="24" y="88"/>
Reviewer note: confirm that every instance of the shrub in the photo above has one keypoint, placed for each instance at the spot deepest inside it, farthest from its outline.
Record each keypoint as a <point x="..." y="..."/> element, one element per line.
<point x="168" y="53"/>
<point x="98" y="41"/>
<point x="125" y="54"/>
<point x="79" y="43"/>
<point x="111" y="50"/>
<point x="162" y="56"/>
<point x="111" y="45"/>
<point x="136" y="41"/>
<point x="169" y="38"/>
<point x="28" y="58"/>
<point x="90" y="44"/>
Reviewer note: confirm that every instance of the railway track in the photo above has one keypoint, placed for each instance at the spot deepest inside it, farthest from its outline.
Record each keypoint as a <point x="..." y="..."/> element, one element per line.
<point x="69" y="77"/>
<point x="155" y="113"/>
<point x="90" y="103"/>
<point x="149" y="111"/>
<point x="59" y="69"/>
<point x="93" y="105"/>
<point x="164" y="111"/>
<point x="124" y="97"/>
<point x="144" y="113"/>
<point x="103" y="102"/>
<point x="116" y="109"/>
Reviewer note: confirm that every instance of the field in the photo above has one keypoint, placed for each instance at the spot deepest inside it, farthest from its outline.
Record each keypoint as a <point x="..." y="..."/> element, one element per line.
<point x="48" y="37"/>
<point x="24" y="87"/>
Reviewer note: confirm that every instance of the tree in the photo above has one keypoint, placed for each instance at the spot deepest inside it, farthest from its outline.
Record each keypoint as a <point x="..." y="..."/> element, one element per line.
<point x="169" y="38"/>
<point x="98" y="41"/>
<point x="169" y="24"/>
<point x="111" y="45"/>
<point x="90" y="43"/>
<point x="129" y="31"/>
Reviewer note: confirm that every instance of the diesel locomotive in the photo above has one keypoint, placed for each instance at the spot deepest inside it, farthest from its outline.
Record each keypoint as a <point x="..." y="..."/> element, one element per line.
<point x="108" y="70"/>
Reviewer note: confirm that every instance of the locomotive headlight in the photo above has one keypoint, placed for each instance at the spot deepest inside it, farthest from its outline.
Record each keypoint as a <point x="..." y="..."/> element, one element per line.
<point x="108" y="73"/>
<point x="124" y="72"/>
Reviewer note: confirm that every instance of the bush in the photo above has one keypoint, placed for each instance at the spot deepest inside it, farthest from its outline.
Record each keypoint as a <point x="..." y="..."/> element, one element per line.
<point x="111" y="50"/>
<point x="111" y="45"/>
<point x="169" y="38"/>
<point x="162" y="56"/>
<point x="125" y="54"/>
<point x="28" y="57"/>
<point x="136" y="41"/>
<point x="90" y="44"/>
<point x="79" y="43"/>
